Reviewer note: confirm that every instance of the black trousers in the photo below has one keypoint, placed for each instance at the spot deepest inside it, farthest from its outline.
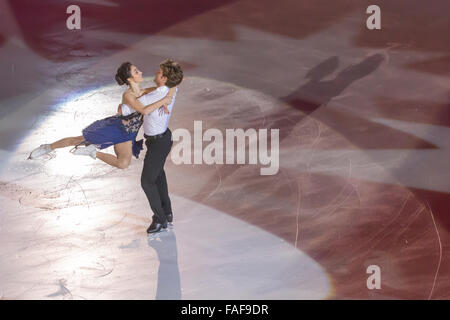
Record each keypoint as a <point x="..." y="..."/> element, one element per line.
<point x="153" y="178"/>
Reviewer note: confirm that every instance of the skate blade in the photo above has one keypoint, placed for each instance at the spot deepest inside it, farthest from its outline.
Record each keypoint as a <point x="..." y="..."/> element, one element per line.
<point x="156" y="235"/>
<point x="47" y="156"/>
<point x="73" y="149"/>
<point x="83" y="143"/>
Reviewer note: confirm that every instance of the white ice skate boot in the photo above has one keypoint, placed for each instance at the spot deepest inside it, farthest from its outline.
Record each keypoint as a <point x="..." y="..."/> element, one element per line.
<point x="40" y="151"/>
<point x="90" y="150"/>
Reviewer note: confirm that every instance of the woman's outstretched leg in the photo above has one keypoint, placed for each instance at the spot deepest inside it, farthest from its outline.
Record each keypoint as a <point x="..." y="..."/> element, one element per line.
<point x="67" y="142"/>
<point x="47" y="148"/>
<point x="123" y="155"/>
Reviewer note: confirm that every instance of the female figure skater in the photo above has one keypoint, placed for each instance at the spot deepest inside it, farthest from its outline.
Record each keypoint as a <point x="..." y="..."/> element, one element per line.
<point x="117" y="130"/>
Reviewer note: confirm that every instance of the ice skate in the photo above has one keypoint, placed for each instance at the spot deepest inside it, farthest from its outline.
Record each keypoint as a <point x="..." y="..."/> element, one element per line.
<point x="90" y="150"/>
<point x="40" y="151"/>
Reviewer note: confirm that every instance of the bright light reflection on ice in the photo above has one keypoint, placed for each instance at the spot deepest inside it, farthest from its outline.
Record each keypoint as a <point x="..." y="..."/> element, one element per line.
<point x="79" y="231"/>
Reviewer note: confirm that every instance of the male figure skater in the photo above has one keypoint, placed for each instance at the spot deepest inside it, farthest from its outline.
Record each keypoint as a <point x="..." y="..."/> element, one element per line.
<point x="159" y="142"/>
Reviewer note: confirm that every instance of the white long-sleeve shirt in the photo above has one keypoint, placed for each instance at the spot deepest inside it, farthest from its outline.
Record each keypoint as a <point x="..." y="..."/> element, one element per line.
<point x="154" y="123"/>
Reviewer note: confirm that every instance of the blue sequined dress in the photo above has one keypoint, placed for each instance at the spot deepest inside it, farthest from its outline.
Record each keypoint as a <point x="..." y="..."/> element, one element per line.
<point x="115" y="129"/>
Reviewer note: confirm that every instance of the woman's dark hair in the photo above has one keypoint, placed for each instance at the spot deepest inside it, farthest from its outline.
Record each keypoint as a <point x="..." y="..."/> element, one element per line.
<point x="123" y="73"/>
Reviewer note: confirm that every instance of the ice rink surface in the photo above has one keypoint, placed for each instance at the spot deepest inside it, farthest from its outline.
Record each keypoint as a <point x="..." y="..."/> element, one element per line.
<point x="363" y="118"/>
